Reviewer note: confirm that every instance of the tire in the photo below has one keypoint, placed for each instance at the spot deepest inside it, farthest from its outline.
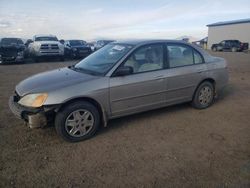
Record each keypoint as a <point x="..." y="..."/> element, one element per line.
<point x="234" y="49"/>
<point x="214" y="49"/>
<point x="72" y="121"/>
<point x="36" y="59"/>
<point x="61" y="59"/>
<point x="203" y="96"/>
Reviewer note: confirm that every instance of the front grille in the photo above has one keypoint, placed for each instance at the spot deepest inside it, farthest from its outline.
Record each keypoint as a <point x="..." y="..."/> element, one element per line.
<point x="9" y="53"/>
<point x="54" y="46"/>
<point x="44" y="47"/>
<point x="49" y="47"/>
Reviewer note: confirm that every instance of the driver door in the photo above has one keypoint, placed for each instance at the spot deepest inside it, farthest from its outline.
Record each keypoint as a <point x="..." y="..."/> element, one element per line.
<point x="144" y="89"/>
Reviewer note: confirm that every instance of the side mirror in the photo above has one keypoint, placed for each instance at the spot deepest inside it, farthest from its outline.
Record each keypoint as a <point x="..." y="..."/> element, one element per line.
<point x="123" y="71"/>
<point x="61" y="41"/>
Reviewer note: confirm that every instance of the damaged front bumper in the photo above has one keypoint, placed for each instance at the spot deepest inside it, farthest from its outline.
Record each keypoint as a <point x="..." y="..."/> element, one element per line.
<point x="34" y="117"/>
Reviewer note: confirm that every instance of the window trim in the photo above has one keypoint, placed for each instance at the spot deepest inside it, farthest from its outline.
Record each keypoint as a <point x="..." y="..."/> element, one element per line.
<point x="138" y="48"/>
<point x="185" y="45"/>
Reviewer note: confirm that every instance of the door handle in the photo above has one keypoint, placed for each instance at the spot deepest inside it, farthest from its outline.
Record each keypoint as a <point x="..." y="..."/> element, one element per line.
<point x="159" y="77"/>
<point x="200" y="70"/>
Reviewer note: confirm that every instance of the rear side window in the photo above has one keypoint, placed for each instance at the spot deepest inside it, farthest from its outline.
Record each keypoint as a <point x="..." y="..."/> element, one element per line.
<point x="182" y="55"/>
<point x="197" y="58"/>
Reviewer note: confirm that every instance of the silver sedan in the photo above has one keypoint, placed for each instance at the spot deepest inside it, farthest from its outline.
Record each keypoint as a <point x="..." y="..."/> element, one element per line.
<point x="122" y="78"/>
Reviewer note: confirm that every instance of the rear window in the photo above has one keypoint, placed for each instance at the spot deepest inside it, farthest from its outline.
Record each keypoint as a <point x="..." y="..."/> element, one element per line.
<point x="46" y="39"/>
<point x="10" y="41"/>
<point x="77" y="42"/>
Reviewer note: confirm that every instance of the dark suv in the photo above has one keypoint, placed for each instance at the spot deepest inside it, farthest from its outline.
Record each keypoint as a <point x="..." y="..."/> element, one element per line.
<point x="76" y="49"/>
<point x="11" y="50"/>
<point x="230" y="45"/>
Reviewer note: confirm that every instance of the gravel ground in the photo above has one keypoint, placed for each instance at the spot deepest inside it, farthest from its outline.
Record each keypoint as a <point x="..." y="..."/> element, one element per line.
<point x="176" y="146"/>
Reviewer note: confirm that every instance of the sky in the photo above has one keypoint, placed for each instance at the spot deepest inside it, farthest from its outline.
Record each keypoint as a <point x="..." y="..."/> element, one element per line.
<point x="116" y="19"/>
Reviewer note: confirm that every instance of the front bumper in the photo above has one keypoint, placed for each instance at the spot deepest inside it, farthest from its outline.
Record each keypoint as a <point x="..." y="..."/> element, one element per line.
<point x="35" y="117"/>
<point x="16" y="59"/>
<point x="49" y="53"/>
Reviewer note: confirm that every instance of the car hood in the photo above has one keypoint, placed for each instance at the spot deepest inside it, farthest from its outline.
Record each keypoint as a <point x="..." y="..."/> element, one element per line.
<point x="52" y="80"/>
<point x="12" y="46"/>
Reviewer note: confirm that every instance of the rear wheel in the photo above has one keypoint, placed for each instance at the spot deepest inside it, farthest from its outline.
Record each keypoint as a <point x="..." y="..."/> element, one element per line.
<point x="204" y="95"/>
<point x="234" y="49"/>
<point x="37" y="59"/>
<point x="214" y="49"/>
<point x="77" y="121"/>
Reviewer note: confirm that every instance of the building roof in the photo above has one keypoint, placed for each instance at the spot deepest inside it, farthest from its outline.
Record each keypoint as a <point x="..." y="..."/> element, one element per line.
<point x="229" y="22"/>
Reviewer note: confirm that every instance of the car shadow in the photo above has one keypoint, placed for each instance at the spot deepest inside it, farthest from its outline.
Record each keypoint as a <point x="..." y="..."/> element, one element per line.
<point x="226" y="92"/>
<point x="126" y="120"/>
<point x="123" y="121"/>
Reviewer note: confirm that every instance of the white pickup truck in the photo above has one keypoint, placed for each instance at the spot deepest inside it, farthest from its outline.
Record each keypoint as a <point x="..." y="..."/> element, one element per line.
<point x="46" y="46"/>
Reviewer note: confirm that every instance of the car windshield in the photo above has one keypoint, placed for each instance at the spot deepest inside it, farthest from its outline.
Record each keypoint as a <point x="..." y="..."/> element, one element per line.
<point x="103" y="60"/>
<point x="10" y="41"/>
<point x="77" y="42"/>
<point x="46" y="39"/>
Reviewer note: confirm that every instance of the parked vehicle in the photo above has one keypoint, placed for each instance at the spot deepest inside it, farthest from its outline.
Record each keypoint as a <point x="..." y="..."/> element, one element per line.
<point x="120" y="79"/>
<point x="230" y="45"/>
<point x="91" y="45"/>
<point x="11" y="50"/>
<point x="76" y="49"/>
<point x="101" y="43"/>
<point x="46" y="46"/>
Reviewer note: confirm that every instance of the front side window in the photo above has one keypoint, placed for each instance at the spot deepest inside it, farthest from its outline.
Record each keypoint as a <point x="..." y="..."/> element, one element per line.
<point x="146" y="58"/>
<point x="182" y="55"/>
<point x="104" y="59"/>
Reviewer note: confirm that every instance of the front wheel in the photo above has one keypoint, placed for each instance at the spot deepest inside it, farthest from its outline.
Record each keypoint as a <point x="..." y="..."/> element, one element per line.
<point x="203" y="96"/>
<point x="77" y="121"/>
<point x="61" y="58"/>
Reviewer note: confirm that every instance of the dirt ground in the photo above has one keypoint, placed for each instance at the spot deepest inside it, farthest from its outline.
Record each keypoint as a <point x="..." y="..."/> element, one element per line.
<point x="172" y="147"/>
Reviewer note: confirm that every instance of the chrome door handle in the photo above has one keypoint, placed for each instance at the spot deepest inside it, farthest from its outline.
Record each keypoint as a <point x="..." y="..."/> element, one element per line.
<point x="200" y="70"/>
<point x="158" y="77"/>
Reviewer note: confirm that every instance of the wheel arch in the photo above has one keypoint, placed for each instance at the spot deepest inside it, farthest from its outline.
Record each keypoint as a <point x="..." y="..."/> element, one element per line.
<point x="90" y="100"/>
<point x="211" y="80"/>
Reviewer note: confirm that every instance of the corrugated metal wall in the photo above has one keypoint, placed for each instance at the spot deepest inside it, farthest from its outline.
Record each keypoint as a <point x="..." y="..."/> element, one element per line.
<point x="239" y="32"/>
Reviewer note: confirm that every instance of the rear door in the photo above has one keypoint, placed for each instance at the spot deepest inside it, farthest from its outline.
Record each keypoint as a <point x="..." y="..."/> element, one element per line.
<point x="186" y="69"/>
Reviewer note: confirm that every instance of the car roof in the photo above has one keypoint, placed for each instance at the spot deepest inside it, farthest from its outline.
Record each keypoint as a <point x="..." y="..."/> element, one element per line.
<point x="141" y="42"/>
<point x="148" y="41"/>
<point x="44" y="36"/>
<point x="11" y="38"/>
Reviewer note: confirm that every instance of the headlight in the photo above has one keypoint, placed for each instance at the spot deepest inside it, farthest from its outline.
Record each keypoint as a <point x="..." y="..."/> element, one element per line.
<point x="20" y="54"/>
<point x="33" y="100"/>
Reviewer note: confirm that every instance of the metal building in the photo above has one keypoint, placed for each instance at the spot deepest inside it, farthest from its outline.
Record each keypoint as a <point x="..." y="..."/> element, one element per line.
<point x="229" y="30"/>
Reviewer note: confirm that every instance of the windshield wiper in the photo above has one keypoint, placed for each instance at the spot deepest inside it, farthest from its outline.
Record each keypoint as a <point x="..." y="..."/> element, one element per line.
<point x="79" y="69"/>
